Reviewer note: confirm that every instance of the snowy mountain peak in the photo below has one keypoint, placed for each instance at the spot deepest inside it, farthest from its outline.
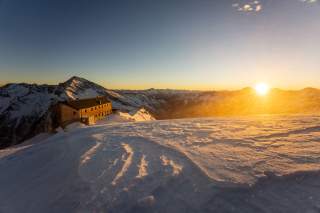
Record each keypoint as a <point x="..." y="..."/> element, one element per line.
<point x="77" y="80"/>
<point x="80" y="88"/>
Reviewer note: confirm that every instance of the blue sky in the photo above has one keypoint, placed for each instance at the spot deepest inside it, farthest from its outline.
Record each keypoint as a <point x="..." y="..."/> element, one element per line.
<point x="185" y="44"/>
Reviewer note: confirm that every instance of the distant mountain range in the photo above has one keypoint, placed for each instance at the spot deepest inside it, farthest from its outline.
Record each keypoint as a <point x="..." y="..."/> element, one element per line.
<point x="26" y="109"/>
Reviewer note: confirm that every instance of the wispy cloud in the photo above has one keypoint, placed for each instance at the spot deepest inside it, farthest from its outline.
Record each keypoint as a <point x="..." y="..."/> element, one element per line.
<point x="309" y="1"/>
<point x="251" y="6"/>
<point x="248" y="6"/>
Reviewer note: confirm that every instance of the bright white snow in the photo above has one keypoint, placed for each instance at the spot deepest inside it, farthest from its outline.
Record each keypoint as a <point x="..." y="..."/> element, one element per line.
<point x="131" y="116"/>
<point x="252" y="164"/>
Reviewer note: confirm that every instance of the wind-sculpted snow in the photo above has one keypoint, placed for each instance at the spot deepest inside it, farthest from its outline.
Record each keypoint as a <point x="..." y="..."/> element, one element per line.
<point x="126" y="165"/>
<point x="143" y="166"/>
<point x="249" y="164"/>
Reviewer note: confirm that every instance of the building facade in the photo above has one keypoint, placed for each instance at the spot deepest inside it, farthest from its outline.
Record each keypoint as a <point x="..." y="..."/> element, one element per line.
<point x="87" y="111"/>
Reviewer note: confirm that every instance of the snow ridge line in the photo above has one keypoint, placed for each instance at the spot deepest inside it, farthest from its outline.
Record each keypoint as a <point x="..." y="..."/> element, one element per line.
<point x="175" y="167"/>
<point x="126" y="165"/>
<point x="142" y="167"/>
<point x="184" y="155"/>
<point x="87" y="156"/>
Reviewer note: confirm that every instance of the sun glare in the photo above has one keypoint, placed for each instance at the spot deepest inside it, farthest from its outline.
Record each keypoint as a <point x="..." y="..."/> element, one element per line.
<point x="262" y="89"/>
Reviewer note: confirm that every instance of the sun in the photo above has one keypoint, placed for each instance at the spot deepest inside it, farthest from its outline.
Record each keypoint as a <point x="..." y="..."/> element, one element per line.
<point x="262" y="89"/>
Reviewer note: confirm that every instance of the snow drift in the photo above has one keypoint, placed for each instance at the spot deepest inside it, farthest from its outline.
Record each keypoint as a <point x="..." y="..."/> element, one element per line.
<point x="133" y="116"/>
<point x="255" y="164"/>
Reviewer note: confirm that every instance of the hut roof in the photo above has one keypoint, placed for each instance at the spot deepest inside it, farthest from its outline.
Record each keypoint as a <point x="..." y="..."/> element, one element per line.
<point x="86" y="103"/>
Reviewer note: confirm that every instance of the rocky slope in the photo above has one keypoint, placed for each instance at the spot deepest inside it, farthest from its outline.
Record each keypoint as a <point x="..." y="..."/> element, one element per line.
<point x="27" y="109"/>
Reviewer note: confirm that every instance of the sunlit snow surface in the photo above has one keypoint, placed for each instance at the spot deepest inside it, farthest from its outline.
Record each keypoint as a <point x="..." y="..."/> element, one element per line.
<point x="252" y="164"/>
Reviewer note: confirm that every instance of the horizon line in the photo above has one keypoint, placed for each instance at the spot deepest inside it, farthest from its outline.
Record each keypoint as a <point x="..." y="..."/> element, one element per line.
<point x="2" y="84"/>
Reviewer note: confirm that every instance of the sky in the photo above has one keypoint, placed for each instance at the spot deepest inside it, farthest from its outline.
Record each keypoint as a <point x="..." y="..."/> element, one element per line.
<point x="178" y="44"/>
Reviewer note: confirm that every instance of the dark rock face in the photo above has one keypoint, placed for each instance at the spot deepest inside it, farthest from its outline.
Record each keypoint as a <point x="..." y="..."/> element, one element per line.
<point x="24" y="111"/>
